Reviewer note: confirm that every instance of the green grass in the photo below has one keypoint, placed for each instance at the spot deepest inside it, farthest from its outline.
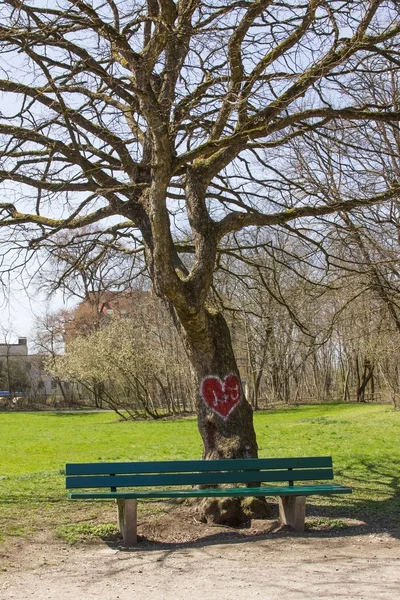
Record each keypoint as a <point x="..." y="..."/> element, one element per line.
<point x="75" y="533"/>
<point x="34" y="447"/>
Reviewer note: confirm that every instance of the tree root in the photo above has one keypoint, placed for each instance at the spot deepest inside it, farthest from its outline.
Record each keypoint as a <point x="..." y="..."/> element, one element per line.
<point x="232" y="511"/>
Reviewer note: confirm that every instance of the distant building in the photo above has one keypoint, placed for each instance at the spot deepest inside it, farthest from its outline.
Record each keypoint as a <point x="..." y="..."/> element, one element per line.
<point x="20" y="349"/>
<point x="22" y="373"/>
<point x="98" y="309"/>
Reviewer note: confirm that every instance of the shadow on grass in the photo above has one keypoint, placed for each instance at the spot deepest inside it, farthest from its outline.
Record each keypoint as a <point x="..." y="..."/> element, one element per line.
<point x="380" y="515"/>
<point x="143" y="418"/>
<point x="72" y="412"/>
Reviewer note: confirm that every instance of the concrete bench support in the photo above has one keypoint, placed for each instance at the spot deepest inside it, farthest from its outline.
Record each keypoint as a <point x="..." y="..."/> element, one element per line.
<point x="292" y="511"/>
<point x="127" y="520"/>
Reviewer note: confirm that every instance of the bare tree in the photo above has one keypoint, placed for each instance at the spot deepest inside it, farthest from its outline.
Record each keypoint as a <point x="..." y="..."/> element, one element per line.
<point x="364" y="245"/>
<point x="165" y="123"/>
<point x="49" y="343"/>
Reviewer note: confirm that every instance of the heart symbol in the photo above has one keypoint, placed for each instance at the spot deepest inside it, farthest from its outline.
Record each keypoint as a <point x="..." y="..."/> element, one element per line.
<point x="221" y="396"/>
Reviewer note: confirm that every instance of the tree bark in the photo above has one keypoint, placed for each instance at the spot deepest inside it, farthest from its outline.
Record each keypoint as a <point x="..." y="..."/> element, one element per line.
<point x="225" y="418"/>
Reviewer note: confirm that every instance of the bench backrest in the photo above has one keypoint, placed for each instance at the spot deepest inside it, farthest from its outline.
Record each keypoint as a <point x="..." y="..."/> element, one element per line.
<point x="197" y="472"/>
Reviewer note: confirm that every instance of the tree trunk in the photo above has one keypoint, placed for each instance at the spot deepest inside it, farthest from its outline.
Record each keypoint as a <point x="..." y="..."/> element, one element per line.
<point x="225" y="418"/>
<point x="346" y="393"/>
<point x="368" y="372"/>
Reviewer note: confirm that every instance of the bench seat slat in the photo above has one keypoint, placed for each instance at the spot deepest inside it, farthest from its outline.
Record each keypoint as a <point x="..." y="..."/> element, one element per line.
<point x="98" y="481"/>
<point x="308" y="490"/>
<point x="189" y="466"/>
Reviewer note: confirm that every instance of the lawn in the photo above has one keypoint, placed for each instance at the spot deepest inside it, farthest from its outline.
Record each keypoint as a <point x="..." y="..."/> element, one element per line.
<point x="34" y="447"/>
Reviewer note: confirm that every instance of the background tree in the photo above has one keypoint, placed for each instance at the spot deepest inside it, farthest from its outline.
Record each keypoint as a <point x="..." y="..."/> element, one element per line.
<point x="127" y="360"/>
<point x="364" y="245"/>
<point x="167" y="124"/>
<point x="49" y="343"/>
<point x="14" y="375"/>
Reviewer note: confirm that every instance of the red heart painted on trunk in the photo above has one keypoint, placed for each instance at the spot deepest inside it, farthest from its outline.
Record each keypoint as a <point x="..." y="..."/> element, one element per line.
<point x="221" y="396"/>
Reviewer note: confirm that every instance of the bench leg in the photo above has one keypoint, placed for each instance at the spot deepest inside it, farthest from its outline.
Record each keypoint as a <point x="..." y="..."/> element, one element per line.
<point x="127" y="520"/>
<point x="292" y="511"/>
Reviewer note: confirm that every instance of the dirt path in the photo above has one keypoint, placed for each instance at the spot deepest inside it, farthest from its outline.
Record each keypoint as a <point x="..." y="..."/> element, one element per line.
<point x="272" y="567"/>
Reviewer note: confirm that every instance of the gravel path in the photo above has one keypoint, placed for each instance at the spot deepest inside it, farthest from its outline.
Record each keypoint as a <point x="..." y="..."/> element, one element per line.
<point x="272" y="568"/>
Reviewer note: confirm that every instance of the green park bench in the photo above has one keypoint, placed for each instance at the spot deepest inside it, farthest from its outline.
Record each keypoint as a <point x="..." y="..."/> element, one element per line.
<point x="130" y="481"/>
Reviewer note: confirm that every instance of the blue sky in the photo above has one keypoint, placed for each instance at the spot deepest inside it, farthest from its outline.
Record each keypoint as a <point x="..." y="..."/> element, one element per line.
<point x="19" y="313"/>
